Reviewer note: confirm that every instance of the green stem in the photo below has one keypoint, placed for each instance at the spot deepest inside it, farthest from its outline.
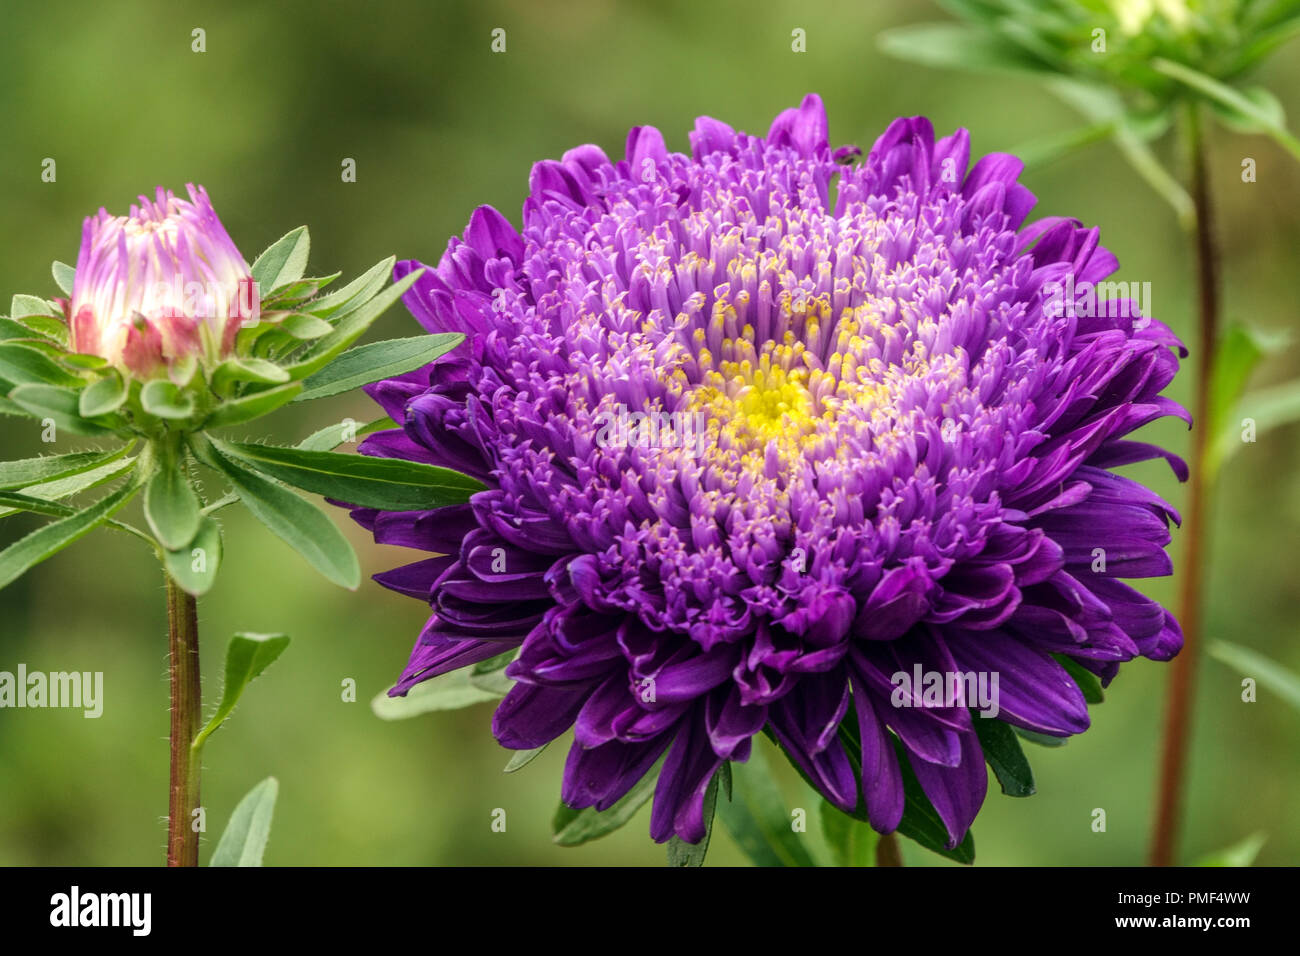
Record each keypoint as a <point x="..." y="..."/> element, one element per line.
<point x="186" y="703"/>
<point x="1195" y="520"/>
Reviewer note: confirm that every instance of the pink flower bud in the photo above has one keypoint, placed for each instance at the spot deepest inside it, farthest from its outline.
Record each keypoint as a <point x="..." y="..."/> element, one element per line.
<point x="160" y="286"/>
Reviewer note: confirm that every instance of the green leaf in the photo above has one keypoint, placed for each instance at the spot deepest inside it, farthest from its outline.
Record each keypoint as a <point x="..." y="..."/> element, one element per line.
<point x="247" y="656"/>
<point x="681" y="853"/>
<point x="14" y="502"/>
<point x="522" y="758"/>
<point x="953" y="46"/>
<point x="1265" y="101"/>
<point x="284" y="261"/>
<point x="378" y="360"/>
<point x="352" y="324"/>
<point x="64" y="276"/>
<point x="165" y="400"/>
<point x="22" y="365"/>
<point x="331" y="436"/>
<point x="1265" y="670"/>
<point x="34" y="471"/>
<point x="170" y="505"/>
<point x="244" y="841"/>
<point x="104" y="396"/>
<point x="357" y="292"/>
<point x="392" y="484"/>
<point x="194" y="567"/>
<point x="921" y="822"/>
<point x="298" y="523"/>
<point x="59" y="405"/>
<point x="51" y="491"/>
<point x="1267" y="409"/>
<point x="258" y="371"/>
<point x="28" y="305"/>
<point x="236" y="411"/>
<point x="450" y="691"/>
<point x="1003" y="753"/>
<point x="1263" y="114"/>
<point x="1089" y="683"/>
<point x="575" y="827"/>
<point x="54" y="537"/>
<point x="1043" y="740"/>
<point x="1238" y="353"/>
<point x="1239" y="854"/>
<point x="852" y="842"/>
<point x="758" y="819"/>
<point x="304" y="327"/>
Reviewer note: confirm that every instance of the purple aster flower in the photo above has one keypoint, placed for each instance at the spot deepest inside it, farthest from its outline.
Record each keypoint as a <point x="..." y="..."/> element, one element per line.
<point x="763" y="427"/>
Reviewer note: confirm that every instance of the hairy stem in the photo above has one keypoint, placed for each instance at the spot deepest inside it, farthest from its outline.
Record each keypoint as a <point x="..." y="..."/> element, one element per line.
<point x="1173" y="761"/>
<point x="186" y="703"/>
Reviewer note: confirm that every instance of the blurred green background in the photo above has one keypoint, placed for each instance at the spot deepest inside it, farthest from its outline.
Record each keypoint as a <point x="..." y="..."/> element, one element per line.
<point x="439" y="124"/>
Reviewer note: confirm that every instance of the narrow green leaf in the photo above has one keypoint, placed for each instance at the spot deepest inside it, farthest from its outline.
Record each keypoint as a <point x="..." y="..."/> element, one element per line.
<point x="1089" y="683"/>
<point x="522" y="758"/>
<point x="15" y="502"/>
<point x="165" y="400"/>
<point x="351" y="325"/>
<point x="1266" y="671"/>
<point x="392" y="484"/>
<point x="852" y="842"/>
<point x="22" y="365"/>
<point x="64" y="276"/>
<point x="758" y="819"/>
<point x="1003" y="753"/>
<point x="194" y="567"/>
<point x="331" y="436"/>
<point x="953" y="46"/>
<point x="54" y="537"/>
<point x="51" y="491"/>
<point x="244" y="841"/>
<point x="450" y="691"/>
<point x="34" y="471"/>
<point x="304" y="327"/>
<point x="1257" y="412"/>
<point x="284" y="261"/>
<point x="681" y="853"/>
<point x="236" y="411"/>
<point x="255" y="370"/>
<point x="1239" y="854"/>
<point x="102" y="397"/>
<point x="375" y="361"/>
<point x="170" y="505"/>
<point x="247" y="656"/>
<point x="921" y="822"/>
<point x="298" y="523"/>
<point x="357" y="292"/>
<point x="575" y="827"/>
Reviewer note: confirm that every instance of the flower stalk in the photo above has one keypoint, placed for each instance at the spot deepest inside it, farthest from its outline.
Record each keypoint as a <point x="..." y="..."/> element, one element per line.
<point x="1173" y="763"/>
<point x="186" y="704"/>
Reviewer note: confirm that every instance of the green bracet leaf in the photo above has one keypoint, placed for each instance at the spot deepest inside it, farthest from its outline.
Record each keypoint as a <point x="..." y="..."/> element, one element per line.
<point x="64" y="276"/>
<point x="61" y="406"/>
<point x="375" y="361"/>
<point x="236" y="411"/>
<point x="255" y="370"/>
<point x="1003" y="753"/>
<point x="171" y="505"/>
<point x="44" y="542"/>
<point x="450" y="691"/>
<point x="247" y="656"/>
<point x="244" y="841"/>
<point x="195" y="566"/>
<point x="391" y="484"/>
<point x="23" y="365"/>
<point x="102" y="397"/>
<point x="758" y="819"/>
<point x="165" y="400"/>
<point x="284" y="261"/>
<point x="575" y="827"/>
<point x="681" y="853"/>
<point x="304" y="327"/>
